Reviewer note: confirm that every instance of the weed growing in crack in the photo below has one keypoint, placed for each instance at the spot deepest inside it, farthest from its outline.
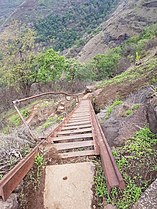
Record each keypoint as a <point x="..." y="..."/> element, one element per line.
<point x="39" y="162"/>
<point x="36" y="173"/>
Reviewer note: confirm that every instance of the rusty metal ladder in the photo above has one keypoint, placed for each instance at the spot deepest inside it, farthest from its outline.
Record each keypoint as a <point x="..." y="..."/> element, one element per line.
<point x="81" y="135"/>
<point x="75" y="137"/>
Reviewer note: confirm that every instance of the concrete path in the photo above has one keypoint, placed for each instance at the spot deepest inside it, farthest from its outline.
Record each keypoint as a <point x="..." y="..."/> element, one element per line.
<point x="68" y="186"/>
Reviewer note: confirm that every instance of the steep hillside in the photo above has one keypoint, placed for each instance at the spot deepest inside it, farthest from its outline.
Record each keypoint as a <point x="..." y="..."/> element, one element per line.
<point x="130" y="81"/>
<point x="61" y="23"/>
<point x="129" y="19"/>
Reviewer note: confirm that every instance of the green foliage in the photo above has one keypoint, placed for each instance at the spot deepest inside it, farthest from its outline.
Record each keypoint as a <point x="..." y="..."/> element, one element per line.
<point x="136" y="160"/>
<point x="135" y="106"/>
<point x="72" y="69"/>
<point x="67" y="28"/>
<point x="50" y="65"/>
<point x="133" y="74"/>
<point x="17" y="66"/>
<point x="137" y="44"/>
<point x="39" y="160"/>
<point x="5" y="130"/>
<point x="112" y="106"/>
<point x="128" y="112"/>
<point x="131" y="110"/>
<point x="105" y="64"/>
<point x="51" y="121"/>
<point x="100" y="184"/>
<point x="137" y="57"/>
<point x="20" y="66"/>
<point x="86" y="72"/>
<point x="15" y="120"/>
<point x="149" y="32"/>
<point x="25" y="113"/>
<point x="131" y="194"/>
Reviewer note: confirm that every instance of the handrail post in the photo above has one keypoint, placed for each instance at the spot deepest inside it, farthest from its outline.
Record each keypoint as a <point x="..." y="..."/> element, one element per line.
<point x="22" y="118"/>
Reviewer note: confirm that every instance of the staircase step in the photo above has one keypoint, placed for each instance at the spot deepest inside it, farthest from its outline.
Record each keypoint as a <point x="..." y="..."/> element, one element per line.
<point x="75" y="131"/>
<point x="78" y="123"/>
<point x="79" y="136"/>
<point x="77" y="127"/>
<point x="73" y="145"/>
<point x="78" y="154"/>
<point x="79" y="120"/>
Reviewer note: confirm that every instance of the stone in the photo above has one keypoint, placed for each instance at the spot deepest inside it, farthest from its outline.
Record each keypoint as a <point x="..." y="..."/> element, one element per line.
<point x="109" y="206"/>
<point x="11" y="202"/>
<point x="69" y="186"/>
<point x="148" y="199"/>
<point x="151" y="111"/>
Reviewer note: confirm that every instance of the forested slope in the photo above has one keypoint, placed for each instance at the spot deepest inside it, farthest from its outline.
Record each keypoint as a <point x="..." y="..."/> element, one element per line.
<point x="75" y="22"/>
<point x="62" y="23"/>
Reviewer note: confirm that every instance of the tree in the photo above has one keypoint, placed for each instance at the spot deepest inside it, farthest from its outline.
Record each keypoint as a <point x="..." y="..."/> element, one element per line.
<point x="18" y="62"/>
<point x="71" y="69"/>
<point x="21" y="64"/>
<point x="51" y="66"/>
<point x="105" y="64"/>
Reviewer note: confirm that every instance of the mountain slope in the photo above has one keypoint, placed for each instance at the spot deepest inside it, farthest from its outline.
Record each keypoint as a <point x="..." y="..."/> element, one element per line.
<point x="129" y="19"/>
<point x="62" y="23"/>
<point x="7" y="9"/>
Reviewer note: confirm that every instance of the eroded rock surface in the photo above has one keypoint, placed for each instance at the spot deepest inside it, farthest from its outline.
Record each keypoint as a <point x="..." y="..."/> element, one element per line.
<point x="149" y="198"/>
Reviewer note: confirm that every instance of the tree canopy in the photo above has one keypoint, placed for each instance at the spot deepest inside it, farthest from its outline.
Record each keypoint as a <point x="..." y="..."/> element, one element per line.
<point x="21" y="62"/>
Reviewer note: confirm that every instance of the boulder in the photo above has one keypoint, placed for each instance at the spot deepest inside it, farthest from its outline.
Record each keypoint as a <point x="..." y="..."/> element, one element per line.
<point x="152" y="114"/>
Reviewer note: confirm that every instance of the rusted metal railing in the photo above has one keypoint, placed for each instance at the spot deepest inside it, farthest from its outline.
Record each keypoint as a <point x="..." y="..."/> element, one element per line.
<point x="112" y="174"/>
<point x="18" y="101"/>
<point x="12" y="179"/>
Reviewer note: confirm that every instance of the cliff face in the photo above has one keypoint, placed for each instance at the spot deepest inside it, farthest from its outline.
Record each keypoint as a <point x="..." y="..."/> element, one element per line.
<point x="129" y="19"/>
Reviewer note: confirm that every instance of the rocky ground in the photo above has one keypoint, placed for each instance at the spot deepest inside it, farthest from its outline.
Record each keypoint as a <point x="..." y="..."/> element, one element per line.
<point x="128" y="117"/>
